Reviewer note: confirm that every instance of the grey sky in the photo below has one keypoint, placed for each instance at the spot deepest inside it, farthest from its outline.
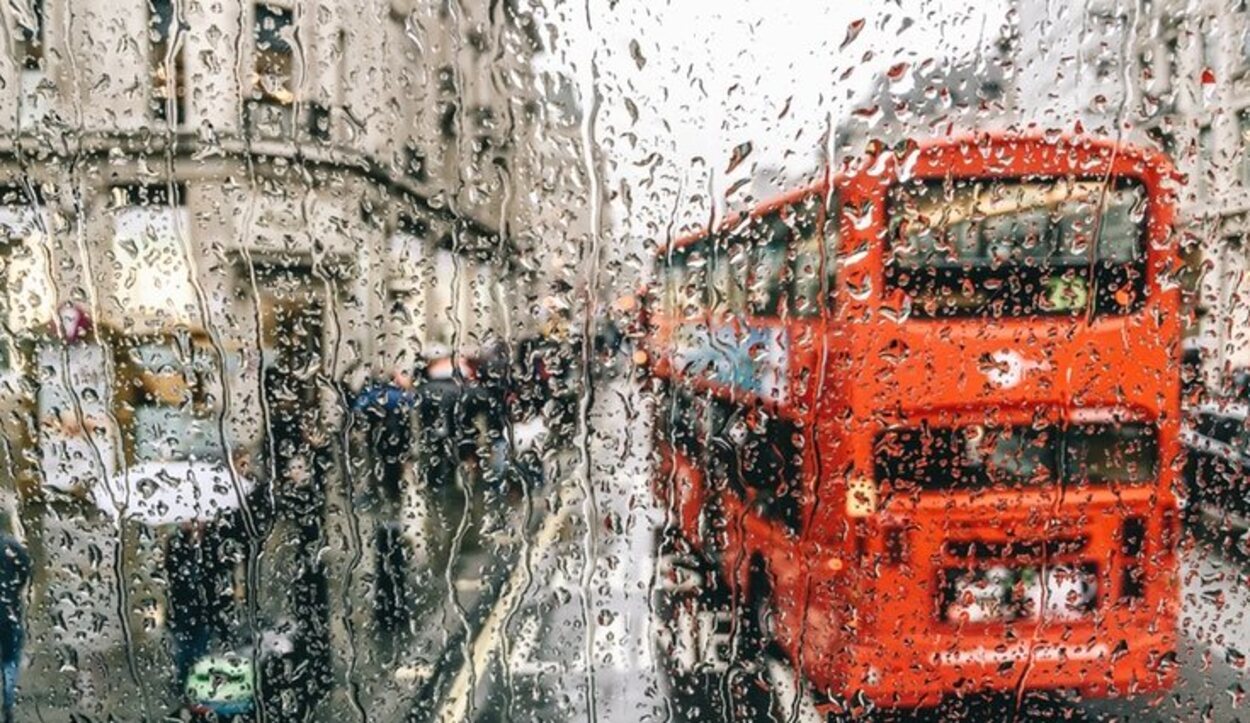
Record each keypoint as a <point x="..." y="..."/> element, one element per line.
<point x="715" y="75"/>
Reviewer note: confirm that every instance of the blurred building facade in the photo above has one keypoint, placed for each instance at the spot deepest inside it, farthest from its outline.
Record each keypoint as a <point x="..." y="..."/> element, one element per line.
<point x="399" y="148"/>
<point x="392" y="165"/>
<point x="303" y="187"/>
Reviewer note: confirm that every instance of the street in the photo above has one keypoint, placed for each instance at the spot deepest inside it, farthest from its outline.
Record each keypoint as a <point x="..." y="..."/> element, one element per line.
<point x="441" y="361"/>
<point x="523" y="628"/>
<point x="576" y="644"/>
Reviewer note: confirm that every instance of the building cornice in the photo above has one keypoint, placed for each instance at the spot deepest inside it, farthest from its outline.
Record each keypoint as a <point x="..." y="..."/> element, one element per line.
<point x="30" y="149"/>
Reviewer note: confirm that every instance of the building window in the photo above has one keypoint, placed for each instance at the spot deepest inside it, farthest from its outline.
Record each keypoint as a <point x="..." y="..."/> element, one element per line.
<point x="1104" y="68"/>
<point x="447" y="120"/>
<point x="318" y="122"/>
<point x="1153" y="86"/>
<point x="478" y="40"/>
<point x="269" y="112"/>
<point x="561" y="95"/>
<point x="483" y="149"/>
<point x="1206" y="157"/>
<point x="1101" y="55"/>
<point x="28" y="297"/>
<point x="1172" y="49"/>
<point x="30" y="21"/>
<point x="1210" y="47"/>
<point x="150" y="252"/>
<point x="415" y="166"/>
<point x="1165" y="138"/>
<point x="446" y="76"/>
<point x="1243" y="51"/>
<point x="414" y="226"/>
<point x="1145" y="64"/>
<point x="165" y="62"/>
<point x="273" y="81"/>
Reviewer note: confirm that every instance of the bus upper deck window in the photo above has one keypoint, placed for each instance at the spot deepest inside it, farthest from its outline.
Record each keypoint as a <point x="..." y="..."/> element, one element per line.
<point x="806" y="292"/>
<point x="728" y="271"/>
<point x="810" y="261"/>
<point x="1018" y="247"/>
<point x="694" y="289"/>
<point x="1122" y="222"/>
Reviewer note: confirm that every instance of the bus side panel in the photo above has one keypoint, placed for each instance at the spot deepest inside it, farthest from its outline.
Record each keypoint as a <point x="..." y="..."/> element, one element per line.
<point x="681" y="486"/>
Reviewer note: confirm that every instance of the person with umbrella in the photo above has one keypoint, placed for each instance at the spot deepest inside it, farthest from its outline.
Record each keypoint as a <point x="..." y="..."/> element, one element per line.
<point x="387" y="407"/>
<point x="14" y="576"/>
<point x="203" y="503"/>
<point x="441" y="406"/>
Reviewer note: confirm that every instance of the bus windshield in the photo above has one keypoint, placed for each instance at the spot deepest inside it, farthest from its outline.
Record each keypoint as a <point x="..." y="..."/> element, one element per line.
<point x="978" y="457"/>
<point x="989" y="247"/>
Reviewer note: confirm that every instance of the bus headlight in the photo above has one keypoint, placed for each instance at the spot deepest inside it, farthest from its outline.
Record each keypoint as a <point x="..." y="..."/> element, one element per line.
<point x="861" y="496"/>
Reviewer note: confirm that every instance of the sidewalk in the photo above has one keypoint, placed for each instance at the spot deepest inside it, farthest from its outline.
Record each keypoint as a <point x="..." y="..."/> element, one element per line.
<point x="79" y="658"/>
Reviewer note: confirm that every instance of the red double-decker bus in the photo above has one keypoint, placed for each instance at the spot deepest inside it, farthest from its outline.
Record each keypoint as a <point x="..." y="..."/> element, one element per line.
<point x="922" y="419"/>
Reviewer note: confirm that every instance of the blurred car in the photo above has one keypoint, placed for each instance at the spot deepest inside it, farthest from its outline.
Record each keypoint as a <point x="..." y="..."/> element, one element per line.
<point x="221" y="687"/>
<point x="1217" y="464"/>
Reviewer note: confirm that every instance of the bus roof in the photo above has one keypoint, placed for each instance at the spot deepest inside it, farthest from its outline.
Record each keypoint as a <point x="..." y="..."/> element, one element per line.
<point x="1106" y="147"/>
<point x="731" y="220"/>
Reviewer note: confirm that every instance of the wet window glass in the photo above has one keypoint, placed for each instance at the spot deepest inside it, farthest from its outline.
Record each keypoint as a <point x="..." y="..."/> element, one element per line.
<point x="512" y="360"/>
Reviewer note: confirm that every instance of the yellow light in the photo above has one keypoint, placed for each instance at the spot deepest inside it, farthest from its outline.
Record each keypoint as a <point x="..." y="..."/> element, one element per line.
<point x="861" y="497"/>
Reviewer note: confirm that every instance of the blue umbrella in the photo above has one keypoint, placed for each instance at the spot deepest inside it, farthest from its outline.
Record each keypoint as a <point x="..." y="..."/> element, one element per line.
<point x="384" y="398"/>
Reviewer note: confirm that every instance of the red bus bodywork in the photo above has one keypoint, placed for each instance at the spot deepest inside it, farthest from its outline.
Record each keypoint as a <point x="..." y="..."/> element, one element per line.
<point x="855" y="594"/>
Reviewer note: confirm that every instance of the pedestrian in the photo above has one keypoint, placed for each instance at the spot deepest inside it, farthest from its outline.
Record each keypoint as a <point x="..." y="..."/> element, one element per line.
<point x="309" y="588"/>
<point x="14" y="576"/>
<point x="492" y="409"/>
<point x="199" y="577"/>
<point x="440" y="456"/>
<point x="387" y="407"/>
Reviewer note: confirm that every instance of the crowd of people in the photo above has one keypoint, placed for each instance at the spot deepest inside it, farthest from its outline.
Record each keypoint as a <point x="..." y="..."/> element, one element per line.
<point x="459" y="434"/>
<point x="451" y="431"/>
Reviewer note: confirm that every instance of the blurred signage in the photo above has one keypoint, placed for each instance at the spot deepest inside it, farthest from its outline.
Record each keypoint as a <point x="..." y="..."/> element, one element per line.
<point x="752" y="358"/>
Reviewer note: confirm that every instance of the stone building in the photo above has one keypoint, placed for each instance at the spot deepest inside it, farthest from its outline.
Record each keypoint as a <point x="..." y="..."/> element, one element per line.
<point x="285" y="188"/>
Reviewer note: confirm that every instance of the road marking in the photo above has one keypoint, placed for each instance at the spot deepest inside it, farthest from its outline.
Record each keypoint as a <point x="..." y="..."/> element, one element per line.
<point x="522" y="660"/>
<point x="455" y="707"/>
